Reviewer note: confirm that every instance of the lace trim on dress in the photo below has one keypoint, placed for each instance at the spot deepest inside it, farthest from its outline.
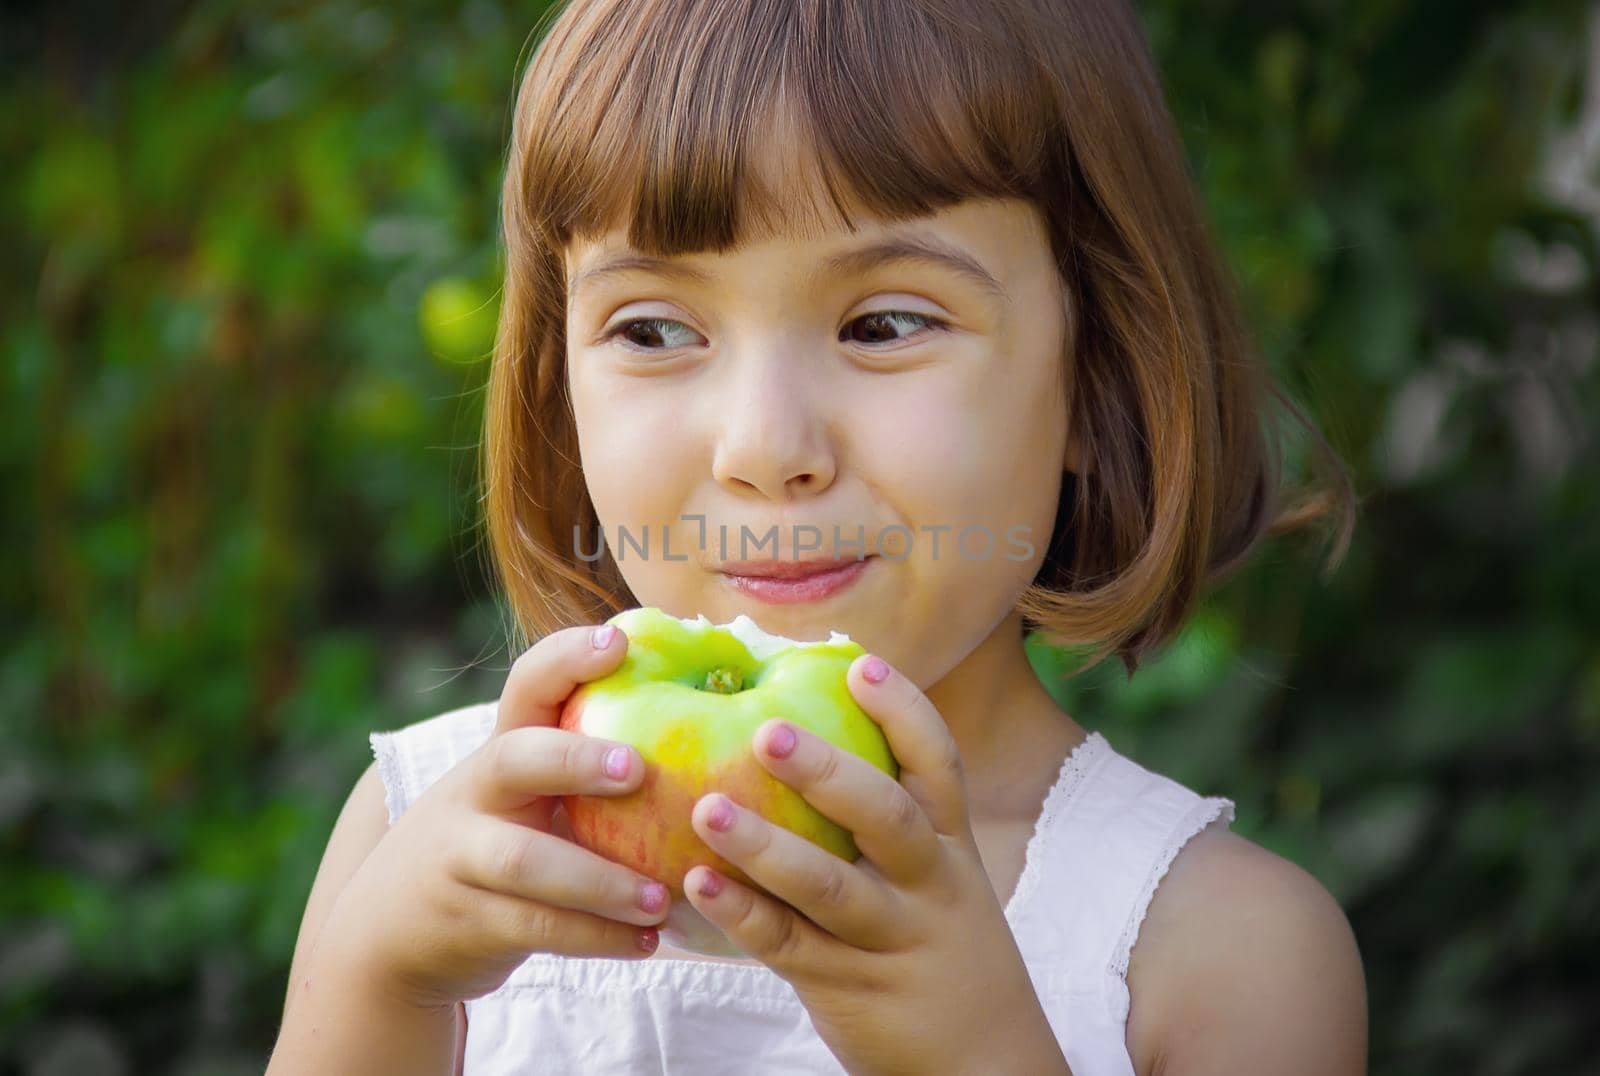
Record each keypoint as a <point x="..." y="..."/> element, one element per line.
<point x="1068" y="781"/>
<point x="383" y="749"/>
<point x="1198" y="817"/>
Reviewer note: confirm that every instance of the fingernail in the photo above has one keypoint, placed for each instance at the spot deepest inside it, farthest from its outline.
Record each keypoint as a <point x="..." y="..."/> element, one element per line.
<point x="710" y="885"/>
<point x="649" y="938"/>
<point x="720" y="817"/>
<point x="653" y="897"/>
<point x="601" y="637"/>
<point x="616" y="763"/>
<point x="875" y="670"/>
<point x="781" y="742"/>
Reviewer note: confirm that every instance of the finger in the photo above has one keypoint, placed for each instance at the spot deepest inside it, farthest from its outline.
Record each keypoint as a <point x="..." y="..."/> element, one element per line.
<point x="837" y="896"/>
<point x="522" y="765"/>
<point x="521" y="862"/>
<point x="930" y="761"/>
<point x="889" y="826"/>
<point x="761" y="926"/>
<point x="518" y="924"/>
<point x="547" y="672"/>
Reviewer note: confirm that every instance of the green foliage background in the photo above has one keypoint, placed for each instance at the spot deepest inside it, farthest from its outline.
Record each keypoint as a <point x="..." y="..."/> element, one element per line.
<point x="250" y="279"/>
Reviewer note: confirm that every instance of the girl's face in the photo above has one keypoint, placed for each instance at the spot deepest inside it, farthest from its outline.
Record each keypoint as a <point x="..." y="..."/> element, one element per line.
<point x="806" y="384"/>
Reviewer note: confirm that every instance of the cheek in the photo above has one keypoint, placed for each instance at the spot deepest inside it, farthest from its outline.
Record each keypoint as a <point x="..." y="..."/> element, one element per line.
<point x="1023" y="480"/>
<point x="953" y="451"/>
<point x="632" y="449"/>
<point x="958" y="453"/>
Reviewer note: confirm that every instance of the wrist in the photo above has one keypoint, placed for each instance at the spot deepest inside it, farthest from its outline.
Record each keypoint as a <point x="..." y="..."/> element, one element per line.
<point x="1016" y="1039"/>
<point x="379" y="984"/>
<point x="343" y="1018"/>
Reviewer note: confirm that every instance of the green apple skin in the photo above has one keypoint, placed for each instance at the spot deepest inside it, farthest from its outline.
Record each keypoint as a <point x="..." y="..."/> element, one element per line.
<point x="689" y="696"/>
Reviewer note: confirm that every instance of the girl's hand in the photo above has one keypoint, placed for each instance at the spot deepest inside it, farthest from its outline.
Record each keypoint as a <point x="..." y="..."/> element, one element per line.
<point x="903" y="959"/>
<point x="470" y="879"/>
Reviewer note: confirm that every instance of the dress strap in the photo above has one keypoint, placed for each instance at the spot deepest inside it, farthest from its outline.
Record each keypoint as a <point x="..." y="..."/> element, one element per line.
<point x="1108" y="834"/>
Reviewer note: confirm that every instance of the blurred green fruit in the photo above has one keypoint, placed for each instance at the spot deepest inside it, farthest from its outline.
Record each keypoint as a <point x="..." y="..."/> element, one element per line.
<point x="458" y="320"/>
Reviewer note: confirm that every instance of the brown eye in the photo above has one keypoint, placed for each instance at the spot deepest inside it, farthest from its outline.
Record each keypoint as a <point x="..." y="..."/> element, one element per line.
<point x="648" y="334"/>
<point x="882" y="326"/>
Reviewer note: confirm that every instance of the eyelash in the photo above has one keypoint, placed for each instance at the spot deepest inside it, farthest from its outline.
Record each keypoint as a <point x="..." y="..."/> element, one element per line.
<point x="931" y="323"/>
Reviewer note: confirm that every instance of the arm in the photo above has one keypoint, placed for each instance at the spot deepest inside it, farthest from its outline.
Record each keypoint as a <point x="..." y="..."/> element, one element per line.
<point x="1266" y="978"/>
<point x="333" y="1022"/>
<point x="407" y="921"/>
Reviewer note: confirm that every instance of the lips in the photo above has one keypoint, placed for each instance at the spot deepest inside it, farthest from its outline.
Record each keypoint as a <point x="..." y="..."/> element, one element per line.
<point x="789" y="582"/>
<point x="785" y="569"/>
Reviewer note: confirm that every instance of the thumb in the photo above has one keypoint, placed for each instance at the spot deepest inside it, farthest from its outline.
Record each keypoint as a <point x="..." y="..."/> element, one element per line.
<point x="549" y="671"/>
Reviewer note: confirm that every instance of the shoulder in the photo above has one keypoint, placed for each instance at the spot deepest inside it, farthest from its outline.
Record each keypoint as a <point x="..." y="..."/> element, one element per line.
<point x="1245" y="963"/>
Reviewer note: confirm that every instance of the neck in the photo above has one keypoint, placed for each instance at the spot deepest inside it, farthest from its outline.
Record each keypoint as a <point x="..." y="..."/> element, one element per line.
<point x="1010" y="731"/>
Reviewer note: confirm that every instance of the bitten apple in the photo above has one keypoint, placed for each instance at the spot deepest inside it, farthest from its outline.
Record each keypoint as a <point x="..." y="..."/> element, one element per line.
<point x="689" y="696"/>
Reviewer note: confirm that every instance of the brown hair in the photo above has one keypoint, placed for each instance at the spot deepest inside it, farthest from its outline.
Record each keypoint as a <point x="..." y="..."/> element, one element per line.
<point x="646" y="114"/>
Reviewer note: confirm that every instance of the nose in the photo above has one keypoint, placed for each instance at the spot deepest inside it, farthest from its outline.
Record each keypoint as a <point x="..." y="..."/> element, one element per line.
<point x="773" y="437"/>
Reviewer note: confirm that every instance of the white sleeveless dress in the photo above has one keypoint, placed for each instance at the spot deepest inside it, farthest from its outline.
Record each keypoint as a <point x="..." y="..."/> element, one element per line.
<point x="1106" y="835"/>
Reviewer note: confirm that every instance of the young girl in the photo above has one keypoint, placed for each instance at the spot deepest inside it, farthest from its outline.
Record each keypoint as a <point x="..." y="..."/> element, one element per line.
<point x="928" y="279"/>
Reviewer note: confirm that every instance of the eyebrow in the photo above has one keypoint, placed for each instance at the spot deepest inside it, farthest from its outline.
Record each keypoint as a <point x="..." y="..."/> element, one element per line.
<point x="910" y="249"/>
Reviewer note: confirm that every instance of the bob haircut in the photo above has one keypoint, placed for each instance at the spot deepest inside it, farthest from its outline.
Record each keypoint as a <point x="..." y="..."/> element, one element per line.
<point x="648" y="114"/>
